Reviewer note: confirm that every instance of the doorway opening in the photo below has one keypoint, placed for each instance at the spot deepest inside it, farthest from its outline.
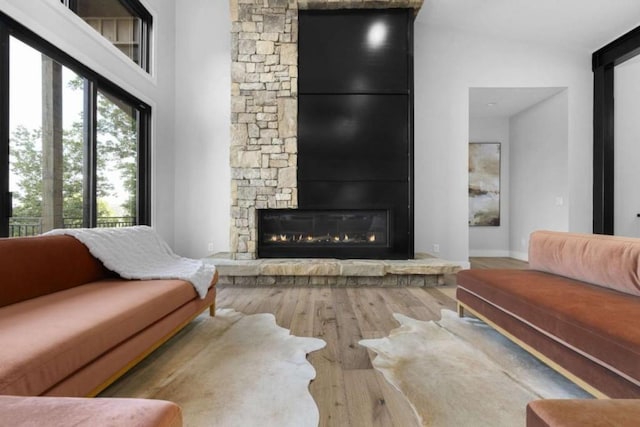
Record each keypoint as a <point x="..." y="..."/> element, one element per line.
<point x="531" y="127"/>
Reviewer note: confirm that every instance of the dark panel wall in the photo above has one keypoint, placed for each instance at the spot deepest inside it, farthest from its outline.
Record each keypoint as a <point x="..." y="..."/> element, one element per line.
<point x="354" y="51"/>
<point x="345" y="137"/>
<point x="355" y="116"/>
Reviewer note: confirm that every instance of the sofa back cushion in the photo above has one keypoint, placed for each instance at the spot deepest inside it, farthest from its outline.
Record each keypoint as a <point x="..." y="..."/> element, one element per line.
<point x="608" y="261"/>
<point x="34" y="266"/>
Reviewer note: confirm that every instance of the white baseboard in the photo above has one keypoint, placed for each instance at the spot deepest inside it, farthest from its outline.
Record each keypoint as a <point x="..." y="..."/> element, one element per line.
<point x="522" y="256"/>
<point x="489" y="253"/>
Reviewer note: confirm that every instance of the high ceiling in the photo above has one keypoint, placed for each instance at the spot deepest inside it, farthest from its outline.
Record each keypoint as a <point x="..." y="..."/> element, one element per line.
<point x="577" y="24"/>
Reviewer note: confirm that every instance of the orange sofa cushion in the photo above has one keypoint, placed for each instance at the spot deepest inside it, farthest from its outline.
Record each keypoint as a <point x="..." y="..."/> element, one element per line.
<point x="609" y="261"/>
<point x="73" y="411"/>
<point x="35" y="266"/>
<point x="46" y="339"/>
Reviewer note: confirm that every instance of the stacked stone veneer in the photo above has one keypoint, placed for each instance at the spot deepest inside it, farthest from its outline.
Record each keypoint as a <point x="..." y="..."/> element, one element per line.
<point x="263" y="151"/>
<point x="264" y="108"/>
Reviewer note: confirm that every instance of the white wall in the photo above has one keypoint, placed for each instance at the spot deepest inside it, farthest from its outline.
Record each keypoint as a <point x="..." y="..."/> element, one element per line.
<point x="202" y="122"/>
<point x="539" y="176"/>
<point x="56" y="24"/>
<point x="627" y="148"/>
<point x="447" y="64"/>
<point x="493" y="241"/>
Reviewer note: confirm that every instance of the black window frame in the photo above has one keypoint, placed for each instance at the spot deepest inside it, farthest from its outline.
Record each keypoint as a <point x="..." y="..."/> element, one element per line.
<point x="604" y="61"/>
<point x="93" y="83"/>
<point x="135" y="8"/>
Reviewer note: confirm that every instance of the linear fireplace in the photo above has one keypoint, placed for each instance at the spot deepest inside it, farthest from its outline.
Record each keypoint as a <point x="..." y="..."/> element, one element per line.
<point x="322" y="233"/>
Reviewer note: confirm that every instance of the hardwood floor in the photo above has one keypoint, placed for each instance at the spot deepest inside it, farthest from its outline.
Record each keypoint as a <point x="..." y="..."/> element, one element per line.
<point x="347" y="389"/>
<point x="482" y="262"/>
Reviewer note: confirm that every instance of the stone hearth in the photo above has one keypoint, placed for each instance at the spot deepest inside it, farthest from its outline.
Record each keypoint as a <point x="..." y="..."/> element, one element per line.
<point x="424" y="270"/>
<point x="264" y="74"/>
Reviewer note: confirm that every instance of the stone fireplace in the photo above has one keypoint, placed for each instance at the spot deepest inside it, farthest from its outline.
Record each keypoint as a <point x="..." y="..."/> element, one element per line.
<point x="264" y="138"/>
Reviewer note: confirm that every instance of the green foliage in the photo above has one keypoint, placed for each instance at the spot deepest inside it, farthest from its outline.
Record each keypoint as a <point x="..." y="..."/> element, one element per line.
<point x="117" y="153"/>
<point x="26" y="162"/>
<point x="72" y="187"/>
<point x="118" y="146"/>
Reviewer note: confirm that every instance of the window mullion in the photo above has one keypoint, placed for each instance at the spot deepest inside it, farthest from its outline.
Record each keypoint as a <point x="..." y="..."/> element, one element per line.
<point x="90" y="185"/>
<point x="144" y="168"/>
<point x="145" y="44"/>
<point x="5" y="199"/>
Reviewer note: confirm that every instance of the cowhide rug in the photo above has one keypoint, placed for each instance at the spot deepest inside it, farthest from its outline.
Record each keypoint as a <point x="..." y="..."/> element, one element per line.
<point x="461" y="372"/>
<point x="230" y="370"/>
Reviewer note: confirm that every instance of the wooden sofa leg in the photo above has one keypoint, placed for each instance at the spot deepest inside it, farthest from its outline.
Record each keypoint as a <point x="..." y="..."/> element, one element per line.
<point x="460" y="310"/>
<point x="212" y="309"/>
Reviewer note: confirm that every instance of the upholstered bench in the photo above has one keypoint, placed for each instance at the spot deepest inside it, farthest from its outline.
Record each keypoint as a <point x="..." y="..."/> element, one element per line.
<point x="19" y="411"/>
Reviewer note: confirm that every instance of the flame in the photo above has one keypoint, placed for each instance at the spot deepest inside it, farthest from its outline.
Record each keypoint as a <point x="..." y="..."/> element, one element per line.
<point x="337" y="238"/>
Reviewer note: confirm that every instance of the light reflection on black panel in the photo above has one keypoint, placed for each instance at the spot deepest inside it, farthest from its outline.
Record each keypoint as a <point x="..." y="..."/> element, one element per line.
<point x="359" y="51"/>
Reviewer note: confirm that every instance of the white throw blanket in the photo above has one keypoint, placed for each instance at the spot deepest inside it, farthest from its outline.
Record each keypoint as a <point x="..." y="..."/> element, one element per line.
<point x="140" y="253"/>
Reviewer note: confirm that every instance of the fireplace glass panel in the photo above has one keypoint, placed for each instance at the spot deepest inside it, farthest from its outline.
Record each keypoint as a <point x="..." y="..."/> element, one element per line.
<point x="328" y="228"/>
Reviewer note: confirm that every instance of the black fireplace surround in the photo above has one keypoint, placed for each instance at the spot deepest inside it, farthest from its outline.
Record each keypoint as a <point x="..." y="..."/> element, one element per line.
<point x="355" y="140"/>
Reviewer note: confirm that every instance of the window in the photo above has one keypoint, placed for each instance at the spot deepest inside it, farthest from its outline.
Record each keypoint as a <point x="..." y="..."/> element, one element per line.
<point x="125" y="23"/>
<point x="46" y="112"/>
<point x="76" y="145"/>
<point x="117" y="154"/>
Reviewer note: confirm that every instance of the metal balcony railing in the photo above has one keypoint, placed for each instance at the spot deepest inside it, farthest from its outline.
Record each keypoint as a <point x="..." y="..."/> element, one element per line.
<point x="32" y="226"/>
<point x="25" y="226"/>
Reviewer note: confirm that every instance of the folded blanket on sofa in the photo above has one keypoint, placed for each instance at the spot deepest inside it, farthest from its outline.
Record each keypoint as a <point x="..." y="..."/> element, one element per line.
<point x="140" y="253"/>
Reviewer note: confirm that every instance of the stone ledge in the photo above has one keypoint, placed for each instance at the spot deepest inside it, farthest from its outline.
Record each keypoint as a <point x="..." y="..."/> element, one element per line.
<point x="423" y="265"/>
<point x="300" y="267"/>
<point x="362" y="268"/>
<point x="390" y="280"/>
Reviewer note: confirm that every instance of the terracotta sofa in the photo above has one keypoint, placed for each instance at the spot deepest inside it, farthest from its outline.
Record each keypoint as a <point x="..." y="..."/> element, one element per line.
<point x="577" y="307"/>
<point x="70" y="327"/>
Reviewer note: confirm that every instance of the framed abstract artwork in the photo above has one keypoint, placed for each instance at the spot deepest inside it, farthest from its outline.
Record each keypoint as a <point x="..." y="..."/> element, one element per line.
<point x="484" y="184"/>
